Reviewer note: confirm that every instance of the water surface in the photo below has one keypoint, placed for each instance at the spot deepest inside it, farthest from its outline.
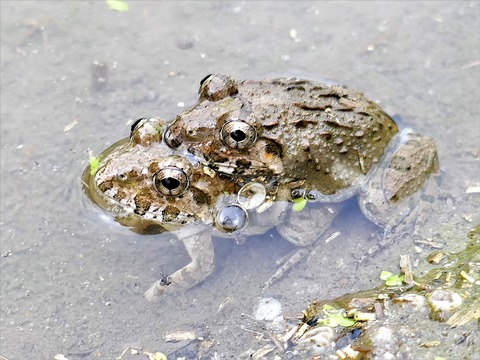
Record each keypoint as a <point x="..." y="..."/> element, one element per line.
<point x="72" y="282"/>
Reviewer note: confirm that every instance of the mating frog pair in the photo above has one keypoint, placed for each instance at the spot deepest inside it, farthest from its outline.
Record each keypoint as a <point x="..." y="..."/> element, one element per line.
<point x="234" y="162"/>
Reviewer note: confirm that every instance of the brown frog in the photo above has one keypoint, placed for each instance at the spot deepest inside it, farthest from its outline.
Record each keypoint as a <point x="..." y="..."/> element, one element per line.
<point x="328" y="142"/>
<point x="152" y="188"/>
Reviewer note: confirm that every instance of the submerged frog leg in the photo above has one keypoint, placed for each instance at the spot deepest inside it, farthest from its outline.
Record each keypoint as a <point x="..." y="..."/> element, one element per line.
<point x="407" y="229"/>
<point x="400" y="189"/>
<point x="297" y="256"/>
<point x="303" y="228"/>
<point x="199" y="247"/>
<point x="384" y="241"/>
<point x="395" y="188"/>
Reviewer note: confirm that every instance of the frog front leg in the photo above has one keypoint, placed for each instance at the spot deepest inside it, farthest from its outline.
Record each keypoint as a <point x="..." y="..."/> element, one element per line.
<point x="392" y="195"/>
<point x="199" y="247"/>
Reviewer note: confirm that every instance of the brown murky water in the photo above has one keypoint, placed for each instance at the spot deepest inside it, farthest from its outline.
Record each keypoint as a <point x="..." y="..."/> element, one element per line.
<point x="72" y="282"/>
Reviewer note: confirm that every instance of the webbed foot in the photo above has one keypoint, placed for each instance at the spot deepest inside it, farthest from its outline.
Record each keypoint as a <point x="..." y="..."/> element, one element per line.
<point x="199" y="247"/>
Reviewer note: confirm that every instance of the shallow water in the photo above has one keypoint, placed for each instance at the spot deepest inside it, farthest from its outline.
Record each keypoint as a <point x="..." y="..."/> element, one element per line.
<point x="72" y="281"/>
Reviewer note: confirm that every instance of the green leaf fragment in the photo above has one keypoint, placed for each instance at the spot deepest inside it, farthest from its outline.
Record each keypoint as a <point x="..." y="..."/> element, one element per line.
<point x="299" y="204"/>
<point x="384" y="275"/>
<point x="342" y="320"/>
<point x="329" y="322"/>
<point x="327" y="307"/>
<point x="391" y="279"/>
<point x="94" y="163"/>
<point x="159" y="356"/>
<point x="395" y="280"/>
<point x="335" y="317"/>
<point x="117" y="5"/>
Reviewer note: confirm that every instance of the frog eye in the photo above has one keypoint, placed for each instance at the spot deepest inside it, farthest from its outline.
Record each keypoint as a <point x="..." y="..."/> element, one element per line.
<point x="173" y="138"/>
<point x="171" y="181"/>
<point x="146" y="131"/>
<point x="232" y="218"/>
<point x="238" y="134"/>
<point x="204" y="80"/>
<point x="136" y="124"/>
<point x="215" y="87"/>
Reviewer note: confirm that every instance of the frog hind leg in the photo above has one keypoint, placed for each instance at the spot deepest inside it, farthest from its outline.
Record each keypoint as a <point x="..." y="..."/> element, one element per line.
<point x="303" y="228"/>
<point x="199" y="247"/>
<point x="392" y="195"/>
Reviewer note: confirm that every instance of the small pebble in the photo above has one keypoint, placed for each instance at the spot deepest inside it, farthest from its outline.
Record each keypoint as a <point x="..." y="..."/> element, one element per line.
<point x="267" y="309"/>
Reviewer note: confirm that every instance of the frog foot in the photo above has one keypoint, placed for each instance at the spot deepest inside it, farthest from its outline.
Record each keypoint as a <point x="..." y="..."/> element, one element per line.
<point x="199" y="247"/>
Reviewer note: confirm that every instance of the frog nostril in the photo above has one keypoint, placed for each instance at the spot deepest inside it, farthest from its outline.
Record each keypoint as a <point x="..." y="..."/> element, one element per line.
<point x="122" y="177"/>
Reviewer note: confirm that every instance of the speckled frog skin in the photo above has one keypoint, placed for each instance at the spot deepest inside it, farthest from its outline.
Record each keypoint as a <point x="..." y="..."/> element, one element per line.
<point x="273" y="140"/>
<point x="326" y="135"/>
<point x="131" y="181"/>
<point x="152" y="188"/>
<point x="330" y="142"/>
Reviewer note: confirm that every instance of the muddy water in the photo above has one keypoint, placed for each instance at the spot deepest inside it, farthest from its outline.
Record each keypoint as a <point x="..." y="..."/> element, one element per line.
<point x="74" y="73"/>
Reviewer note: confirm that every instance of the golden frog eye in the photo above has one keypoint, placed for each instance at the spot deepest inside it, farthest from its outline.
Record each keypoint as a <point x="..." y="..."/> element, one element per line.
<point x="171" y="181"/>
<point x="238" y="134"/>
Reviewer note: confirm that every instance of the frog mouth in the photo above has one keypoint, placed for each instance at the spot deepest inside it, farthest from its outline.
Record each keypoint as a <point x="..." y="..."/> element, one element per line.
<point x="225" y="168"/>
<point x="242" y="168"/>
